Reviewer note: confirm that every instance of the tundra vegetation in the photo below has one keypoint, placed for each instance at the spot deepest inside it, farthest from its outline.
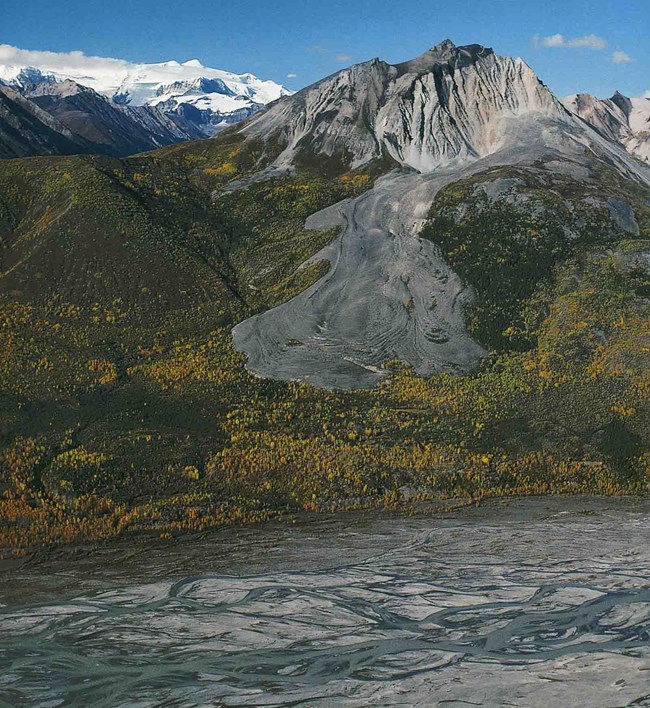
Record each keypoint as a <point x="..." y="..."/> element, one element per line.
<point x="124" y="408"/>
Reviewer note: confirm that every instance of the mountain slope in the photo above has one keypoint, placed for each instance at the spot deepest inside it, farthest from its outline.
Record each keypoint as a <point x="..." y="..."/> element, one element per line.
<point x="105" y="127"/>
<point x="25" y="129"/>
<point x="449" y="114"/>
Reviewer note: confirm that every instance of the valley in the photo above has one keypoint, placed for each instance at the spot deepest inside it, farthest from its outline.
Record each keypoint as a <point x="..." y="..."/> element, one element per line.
<point x="341" y="303"/>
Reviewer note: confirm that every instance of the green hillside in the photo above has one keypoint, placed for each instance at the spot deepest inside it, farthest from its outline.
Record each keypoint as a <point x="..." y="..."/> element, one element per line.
<point x="124" y="408"/>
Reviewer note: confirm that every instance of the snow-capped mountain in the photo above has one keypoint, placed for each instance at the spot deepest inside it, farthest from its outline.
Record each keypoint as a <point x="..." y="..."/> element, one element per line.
<point x="97" y="124"/>
<point x="205" y="94"/>
<point x="222" y="97"/>
<point x="619" y="118"/>
<point x="115" y="107"/>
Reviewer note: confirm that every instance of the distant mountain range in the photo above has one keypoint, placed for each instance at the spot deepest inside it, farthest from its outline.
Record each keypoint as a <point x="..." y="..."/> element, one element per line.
<point x="122" y="110"/>
<point x="619" y="118"/>
<point x="117" y="108"/>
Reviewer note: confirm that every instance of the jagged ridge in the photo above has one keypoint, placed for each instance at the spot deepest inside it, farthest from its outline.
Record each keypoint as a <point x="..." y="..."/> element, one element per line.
<point x="619" y="118"/>
<point x="450" y="103"/>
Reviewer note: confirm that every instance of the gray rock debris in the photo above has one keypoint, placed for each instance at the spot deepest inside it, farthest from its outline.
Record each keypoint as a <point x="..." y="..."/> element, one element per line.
<point x="388" y="295"/>
<point x="622" y="214"/>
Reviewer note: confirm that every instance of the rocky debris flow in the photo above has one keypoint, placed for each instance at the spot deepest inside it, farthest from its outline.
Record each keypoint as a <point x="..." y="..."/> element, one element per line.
<point x="619" y="118"/>
<point x="388" y="295"/>
<point x="448" y="114"/>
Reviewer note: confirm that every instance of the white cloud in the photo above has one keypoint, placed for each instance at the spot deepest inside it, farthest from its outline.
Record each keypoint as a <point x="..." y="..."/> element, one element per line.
<point x="340" y="56"/>
<point x="621" y="58"/>
<point x="72" y="63"/>
<point x="291" y="75"/>
<point x="589" y="41"/>
<point x="555" y="40"/>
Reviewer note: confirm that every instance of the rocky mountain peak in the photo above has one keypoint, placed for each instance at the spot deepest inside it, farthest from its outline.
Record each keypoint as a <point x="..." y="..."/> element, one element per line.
<point x="450" y="103"/>
<point x="620" y="119"/>
<point x="30" y="76"/>
<point x="445" y="53"/>
<point x="623" y="102"/>
<point x="62" y="89"/>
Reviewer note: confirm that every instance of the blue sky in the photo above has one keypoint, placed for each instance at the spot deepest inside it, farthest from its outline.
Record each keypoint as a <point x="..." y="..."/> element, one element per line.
<point x="570" y="43"/>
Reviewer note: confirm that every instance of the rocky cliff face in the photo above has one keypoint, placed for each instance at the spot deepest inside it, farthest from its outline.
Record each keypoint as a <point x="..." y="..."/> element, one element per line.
<point x="450" y="104"/>
<point x="619" y="118"/>
<point x="25" y="129"/>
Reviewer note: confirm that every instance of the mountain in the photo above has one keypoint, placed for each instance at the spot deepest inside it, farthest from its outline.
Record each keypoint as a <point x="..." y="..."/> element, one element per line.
<point x="449" y="114"/>
<point x="422" y="113"/>
<point x="105" y="127"/>
<point x="619" y="118"/>
<point x="79" y="120"/>
<point x="427" y="280"/>
<point x="450" y="105"/>
<point x="117" y="108"/>
<point x="25" y="129"/>
<point x="143" y="84"/>
<point x="215" y="98"/>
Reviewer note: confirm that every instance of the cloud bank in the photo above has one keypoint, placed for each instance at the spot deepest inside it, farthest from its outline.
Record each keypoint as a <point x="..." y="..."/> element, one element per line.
<point x="588" y="41"/>
<point x="69" y="63"/>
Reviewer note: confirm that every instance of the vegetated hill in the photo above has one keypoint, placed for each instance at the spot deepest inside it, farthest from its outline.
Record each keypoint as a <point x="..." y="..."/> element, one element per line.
<point x="124" y="406"/>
